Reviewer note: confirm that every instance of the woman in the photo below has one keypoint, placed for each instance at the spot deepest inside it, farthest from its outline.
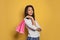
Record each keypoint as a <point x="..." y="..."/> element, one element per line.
<point x="31" y="24"/>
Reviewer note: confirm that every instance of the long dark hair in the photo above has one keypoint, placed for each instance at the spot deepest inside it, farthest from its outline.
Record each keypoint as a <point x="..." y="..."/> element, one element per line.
<point x="26" y="9"/>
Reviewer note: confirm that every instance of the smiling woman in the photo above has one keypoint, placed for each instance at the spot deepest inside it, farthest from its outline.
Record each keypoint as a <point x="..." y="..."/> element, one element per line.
<point x="31" y="24"/>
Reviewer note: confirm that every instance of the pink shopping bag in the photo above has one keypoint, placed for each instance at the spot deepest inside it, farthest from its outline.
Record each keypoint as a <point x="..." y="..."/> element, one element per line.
<point x="20" y="28"/>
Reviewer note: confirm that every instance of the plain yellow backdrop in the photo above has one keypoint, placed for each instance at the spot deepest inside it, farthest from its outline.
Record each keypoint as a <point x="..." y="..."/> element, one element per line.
<point x="47" y="13"/>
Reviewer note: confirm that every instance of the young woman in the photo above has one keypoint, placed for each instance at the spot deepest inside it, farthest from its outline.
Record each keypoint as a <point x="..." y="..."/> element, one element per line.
<point x="31" y="24"/>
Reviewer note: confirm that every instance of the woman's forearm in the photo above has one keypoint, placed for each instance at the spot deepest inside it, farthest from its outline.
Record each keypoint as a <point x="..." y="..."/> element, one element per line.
<point x="33" y="22"/>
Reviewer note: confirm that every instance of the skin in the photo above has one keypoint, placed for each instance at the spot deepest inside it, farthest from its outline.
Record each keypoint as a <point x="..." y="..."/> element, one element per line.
<point x="30" y="12"/>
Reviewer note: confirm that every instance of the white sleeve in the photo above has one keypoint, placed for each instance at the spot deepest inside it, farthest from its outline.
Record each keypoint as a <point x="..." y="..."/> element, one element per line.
<point x="37" y="25"/>
<point x="28" y="23"/>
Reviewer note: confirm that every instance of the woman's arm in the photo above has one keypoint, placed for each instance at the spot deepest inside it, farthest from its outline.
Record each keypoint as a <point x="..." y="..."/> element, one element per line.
<point x="33" y="25"/>
<point x="29" y="25"/>
<point x="36" y="24"/>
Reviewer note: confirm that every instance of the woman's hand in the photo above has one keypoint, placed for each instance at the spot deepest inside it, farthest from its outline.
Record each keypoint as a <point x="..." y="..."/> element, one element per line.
<point x="39" y="29"/>
<point x="30" y="17"/>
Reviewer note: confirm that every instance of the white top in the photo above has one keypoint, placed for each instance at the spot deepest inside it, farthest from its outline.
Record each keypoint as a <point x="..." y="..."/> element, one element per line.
<point x="34" y="32"/>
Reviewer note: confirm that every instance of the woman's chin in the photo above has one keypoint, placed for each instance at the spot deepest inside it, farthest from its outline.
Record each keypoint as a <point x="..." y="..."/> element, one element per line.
<point x="30" y="15"/>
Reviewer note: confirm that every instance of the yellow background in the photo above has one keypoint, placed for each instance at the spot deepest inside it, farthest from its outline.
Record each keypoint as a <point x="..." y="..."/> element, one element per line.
<point x="47" y="13"/>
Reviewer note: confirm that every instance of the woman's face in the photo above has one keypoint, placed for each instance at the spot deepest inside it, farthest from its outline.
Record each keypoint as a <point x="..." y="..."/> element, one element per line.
<point x="30" y="11"/>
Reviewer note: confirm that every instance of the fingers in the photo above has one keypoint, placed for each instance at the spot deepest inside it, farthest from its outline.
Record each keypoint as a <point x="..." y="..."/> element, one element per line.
<point x="38" y="29"/>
